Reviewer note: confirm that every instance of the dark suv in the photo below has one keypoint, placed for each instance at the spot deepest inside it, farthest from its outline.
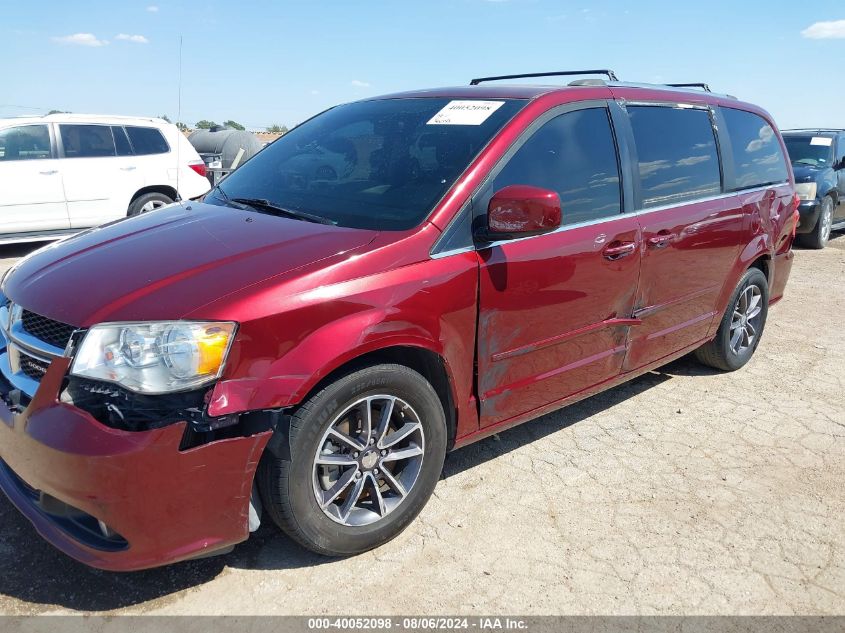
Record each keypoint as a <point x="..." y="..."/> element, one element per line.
<point x="818" y="160"/>
<point x="320" y="331"/>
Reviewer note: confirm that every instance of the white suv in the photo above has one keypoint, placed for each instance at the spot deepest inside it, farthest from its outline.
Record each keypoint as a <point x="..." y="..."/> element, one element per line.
<point x="62" y="173"/>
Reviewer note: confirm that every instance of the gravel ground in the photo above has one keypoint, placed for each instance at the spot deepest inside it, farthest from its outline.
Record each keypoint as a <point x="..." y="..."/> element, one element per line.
<point x="685" y="491"/>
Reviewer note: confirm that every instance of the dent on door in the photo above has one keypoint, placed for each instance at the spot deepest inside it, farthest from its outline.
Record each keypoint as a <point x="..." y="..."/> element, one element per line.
<point x="554" y="315"/>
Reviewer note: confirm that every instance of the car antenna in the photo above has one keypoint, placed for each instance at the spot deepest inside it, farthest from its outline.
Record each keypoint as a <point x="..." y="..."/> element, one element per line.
<point x="179" y="118"/>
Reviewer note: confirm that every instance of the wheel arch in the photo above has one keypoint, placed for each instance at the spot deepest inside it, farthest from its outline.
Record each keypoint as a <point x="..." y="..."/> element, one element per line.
<point x="166" y="190"/>
<point x="764" y="264"/>
<point x="428" y="363"/>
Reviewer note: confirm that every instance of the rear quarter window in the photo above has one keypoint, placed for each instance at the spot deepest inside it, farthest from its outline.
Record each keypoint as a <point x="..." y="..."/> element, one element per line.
<point x="147" y="140"/>
<point x="757" y="155"/>
<point x="677" y="156"/>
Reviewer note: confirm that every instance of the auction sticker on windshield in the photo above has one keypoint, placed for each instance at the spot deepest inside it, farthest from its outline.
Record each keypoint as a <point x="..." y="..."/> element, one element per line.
<point x="465" y="112"/>
<point x="821" y="140"/>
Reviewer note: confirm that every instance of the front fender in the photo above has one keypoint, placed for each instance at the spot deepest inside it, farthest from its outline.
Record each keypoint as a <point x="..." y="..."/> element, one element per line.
<point x="278" y="359"/>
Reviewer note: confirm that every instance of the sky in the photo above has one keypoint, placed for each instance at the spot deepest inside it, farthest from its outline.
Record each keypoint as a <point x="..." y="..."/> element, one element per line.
<point x="266" y="63"/>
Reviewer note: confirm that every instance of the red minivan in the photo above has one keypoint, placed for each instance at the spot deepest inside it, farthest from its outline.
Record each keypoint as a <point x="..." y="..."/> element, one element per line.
<point x="391" y="280"/>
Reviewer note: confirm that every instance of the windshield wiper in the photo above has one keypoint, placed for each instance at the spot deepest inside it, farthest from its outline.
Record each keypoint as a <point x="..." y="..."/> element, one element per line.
<point x="265" y="206"/>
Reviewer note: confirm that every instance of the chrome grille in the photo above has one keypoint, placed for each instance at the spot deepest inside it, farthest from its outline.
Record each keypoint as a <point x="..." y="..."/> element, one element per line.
<point x="28" y="346"/>
<point x="52" y="332"/>
<point x="33" y="367"/>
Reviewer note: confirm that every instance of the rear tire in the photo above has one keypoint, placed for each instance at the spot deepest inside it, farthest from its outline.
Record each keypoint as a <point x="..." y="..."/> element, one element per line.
<point x="148" y="202"/>
<point x="819" y="236"/>
<point x="742" y="324"/>
<point x="331" y="494"/>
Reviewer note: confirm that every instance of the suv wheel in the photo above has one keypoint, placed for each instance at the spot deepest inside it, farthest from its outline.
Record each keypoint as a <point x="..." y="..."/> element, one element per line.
<point x="148" y="202"/>
<point x="819" y="236"/>
<point x="365" y="455"/>
<point x="741" y="326"/>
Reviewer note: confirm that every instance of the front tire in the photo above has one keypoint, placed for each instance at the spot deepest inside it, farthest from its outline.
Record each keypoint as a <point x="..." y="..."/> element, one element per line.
<point x="148" y="202"/>
<point x="365" y="455"/>
<point x="819" y="236"/>
<point x="741" y="326"/>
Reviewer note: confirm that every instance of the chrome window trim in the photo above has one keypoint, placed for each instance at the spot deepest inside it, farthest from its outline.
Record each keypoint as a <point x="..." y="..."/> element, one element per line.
<point x="615" y="217"/>
<point x="457" y="251"/>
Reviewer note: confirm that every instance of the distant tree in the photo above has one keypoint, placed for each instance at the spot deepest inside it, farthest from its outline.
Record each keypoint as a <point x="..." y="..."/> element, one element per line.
<point x="204" y="125"/>
<point x="182" y="127"/>
<point x="234" y="125"/>
<point x="165" y="117"/>
<point x="56" y="112"/>
<point x="278" y="129"/>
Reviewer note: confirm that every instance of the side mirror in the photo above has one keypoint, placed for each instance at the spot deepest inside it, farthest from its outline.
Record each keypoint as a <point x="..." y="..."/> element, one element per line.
<point x="519" y="211"/>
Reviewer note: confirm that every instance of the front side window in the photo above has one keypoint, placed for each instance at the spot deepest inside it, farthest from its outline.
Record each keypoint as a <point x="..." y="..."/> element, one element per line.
<point x="147" y="140"/>
<point x="380" y="165"/>
<point x="677" y="155"/>
<point x="757" y="154"/>
<point x="25" y="142"/>
<point x="87" y="141"/>
<point x="574" y="154"/>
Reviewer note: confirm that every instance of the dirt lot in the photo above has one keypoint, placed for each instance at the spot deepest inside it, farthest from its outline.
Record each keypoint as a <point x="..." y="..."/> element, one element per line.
<point x="685" y="491"/>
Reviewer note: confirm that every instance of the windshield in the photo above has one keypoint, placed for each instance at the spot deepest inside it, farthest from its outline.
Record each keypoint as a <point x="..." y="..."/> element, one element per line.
<point x="816" y="151"/>
<point x="379" y="165"/>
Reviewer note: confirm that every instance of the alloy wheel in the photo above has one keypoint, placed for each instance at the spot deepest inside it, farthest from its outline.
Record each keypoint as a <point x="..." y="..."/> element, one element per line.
<point x="152" y="205"/>
<point x="368" y="460"/>
<point x="826" y="219"/>
<point x="745" y="323"/>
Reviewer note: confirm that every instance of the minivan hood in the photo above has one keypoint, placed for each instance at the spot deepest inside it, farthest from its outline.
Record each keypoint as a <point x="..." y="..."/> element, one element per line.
<point x="168" y="263"/>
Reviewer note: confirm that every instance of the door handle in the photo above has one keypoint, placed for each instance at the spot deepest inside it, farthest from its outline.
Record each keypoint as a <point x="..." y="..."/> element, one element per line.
<point x="618" y="250"/>
<point x="130" y="168"/>
<point x="49" y="172"/>
<point x="661" y="240"/>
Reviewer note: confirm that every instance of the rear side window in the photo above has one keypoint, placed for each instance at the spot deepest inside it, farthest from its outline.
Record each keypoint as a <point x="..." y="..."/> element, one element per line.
<point x="87" y="141"/>
<point x="121" y="141"/>
<point x="25" y="142"/>
<point x="676" y="150"/>
<point x="757" y="154"/>
<point x="575" y="155"/>
<point x="147" y="140"/>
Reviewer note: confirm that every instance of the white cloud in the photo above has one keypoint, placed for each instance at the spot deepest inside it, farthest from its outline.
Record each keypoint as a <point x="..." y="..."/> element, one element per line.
<point x="137" y="39"/>
<point x="360" y="84"/>
<point x="692" y="160"/>
<point x="315" y="92"/>
<point x="834" y="29"/>
<point x="80" y="39"/>
<point x="152" y="8"/>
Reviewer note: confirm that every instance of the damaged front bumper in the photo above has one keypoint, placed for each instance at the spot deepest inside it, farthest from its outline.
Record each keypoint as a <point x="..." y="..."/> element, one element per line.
<point x="116" y="499"/>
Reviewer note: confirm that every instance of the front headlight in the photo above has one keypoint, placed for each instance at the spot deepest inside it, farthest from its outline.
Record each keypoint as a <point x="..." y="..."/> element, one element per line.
<point x="806" y="190"/>
<point x="155" y="357"/>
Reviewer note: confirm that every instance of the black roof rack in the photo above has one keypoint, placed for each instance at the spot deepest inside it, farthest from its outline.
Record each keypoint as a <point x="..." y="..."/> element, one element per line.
<point x="704" y="87"/>
<point x="561" y="73"/>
